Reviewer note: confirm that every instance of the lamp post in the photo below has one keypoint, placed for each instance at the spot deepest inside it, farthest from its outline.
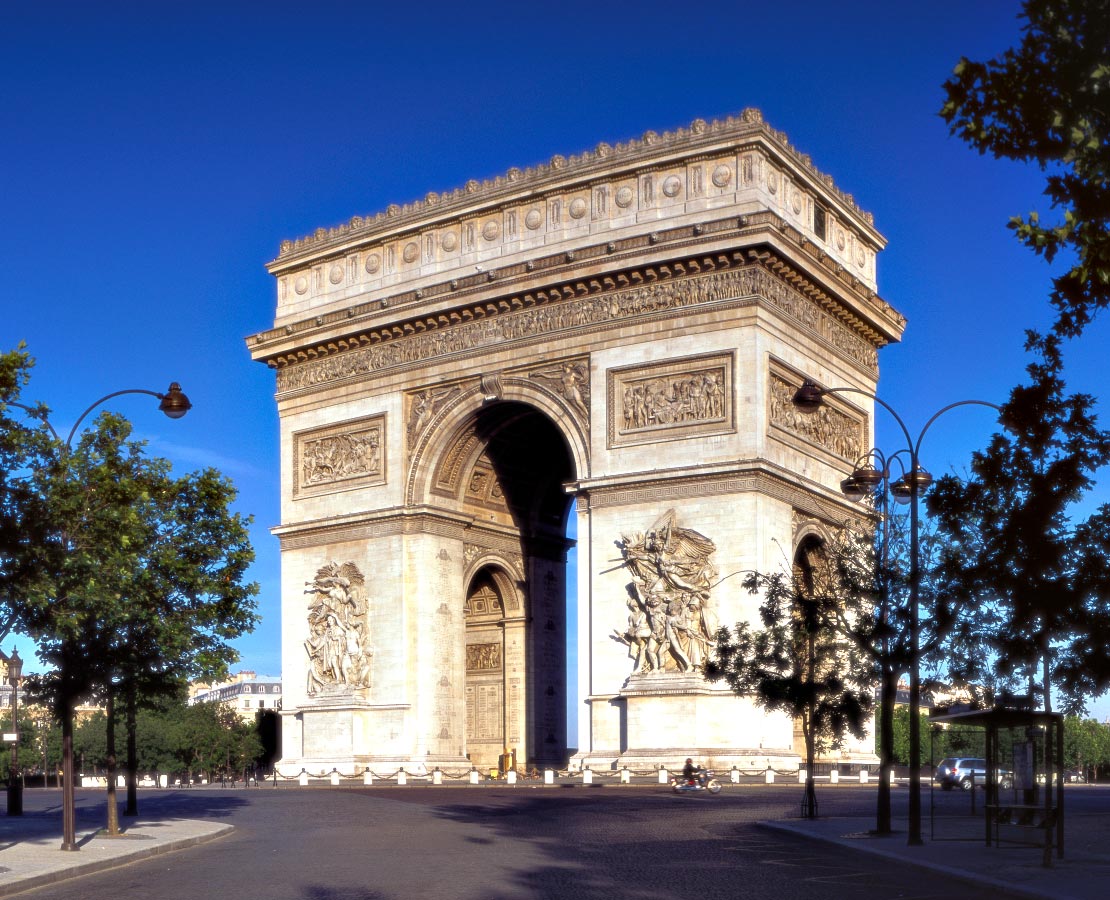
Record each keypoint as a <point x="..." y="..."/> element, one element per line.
<point x="908" y="489"/>
<point x="174" y="404"/>
<point x="15" y="786"/>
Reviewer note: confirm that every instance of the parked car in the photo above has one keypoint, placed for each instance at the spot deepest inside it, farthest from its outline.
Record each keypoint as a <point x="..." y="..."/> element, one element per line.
<point x="964" y="771"/>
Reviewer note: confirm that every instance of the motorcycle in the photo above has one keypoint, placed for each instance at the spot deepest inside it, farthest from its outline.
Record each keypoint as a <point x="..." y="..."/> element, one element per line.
<point x="703" y="781"/>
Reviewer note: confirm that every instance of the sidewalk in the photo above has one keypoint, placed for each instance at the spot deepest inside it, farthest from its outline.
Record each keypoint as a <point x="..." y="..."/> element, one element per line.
<point x="30" y="856"/>
<point x="1084" y="873"/>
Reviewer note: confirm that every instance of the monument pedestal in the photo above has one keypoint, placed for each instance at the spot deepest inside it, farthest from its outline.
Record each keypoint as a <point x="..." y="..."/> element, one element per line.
<point x="667" y="717"/>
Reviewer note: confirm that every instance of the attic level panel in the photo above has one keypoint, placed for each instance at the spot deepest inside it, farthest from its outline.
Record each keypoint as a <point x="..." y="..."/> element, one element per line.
<point x="732" y="167"/>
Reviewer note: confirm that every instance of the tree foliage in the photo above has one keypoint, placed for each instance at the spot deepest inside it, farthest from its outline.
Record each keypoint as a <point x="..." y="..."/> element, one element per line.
<point x="130" y="580"/>
<point x="1047" y="101"/>
<point x="800" y="662"/>
<point x="1033" y="585"/>
<point x="205" y="740"/>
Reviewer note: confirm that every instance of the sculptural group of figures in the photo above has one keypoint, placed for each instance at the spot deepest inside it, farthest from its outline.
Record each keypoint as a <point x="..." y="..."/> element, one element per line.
<point x="338" y="644"/>
<point x="686" y="398"/>
<point x="671" y="620"/>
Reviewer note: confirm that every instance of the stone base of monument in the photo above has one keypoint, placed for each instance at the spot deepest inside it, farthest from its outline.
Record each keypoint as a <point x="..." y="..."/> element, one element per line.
<point x="666" y="717"/>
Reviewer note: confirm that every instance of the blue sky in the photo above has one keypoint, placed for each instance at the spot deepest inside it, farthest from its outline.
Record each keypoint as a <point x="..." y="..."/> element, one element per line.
<point x="155" y="154"/>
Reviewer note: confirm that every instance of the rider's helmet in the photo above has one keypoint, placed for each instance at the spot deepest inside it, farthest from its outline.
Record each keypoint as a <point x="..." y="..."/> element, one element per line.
<point x="689" y="761"/>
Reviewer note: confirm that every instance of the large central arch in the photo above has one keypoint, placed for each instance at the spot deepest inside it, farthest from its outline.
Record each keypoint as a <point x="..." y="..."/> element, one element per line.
<point x="615" y="336"/>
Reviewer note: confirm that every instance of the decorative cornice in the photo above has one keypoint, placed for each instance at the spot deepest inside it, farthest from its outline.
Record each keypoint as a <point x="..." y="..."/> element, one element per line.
<point x="392" y="523"/>
<point x="748" y="124"/>
<point x="758" y="476"/>
<point x="589" y="302"/>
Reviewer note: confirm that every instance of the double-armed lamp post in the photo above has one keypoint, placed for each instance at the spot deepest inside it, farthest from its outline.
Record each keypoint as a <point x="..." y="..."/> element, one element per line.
<point x="914" y="481"/>
<point x="174" y="404"/>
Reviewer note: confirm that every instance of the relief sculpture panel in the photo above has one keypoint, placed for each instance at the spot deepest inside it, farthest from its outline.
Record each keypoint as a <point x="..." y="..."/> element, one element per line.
<point x="340" y="457"/>
<point x="678" y="399"/>
<point x="830" y="428"/>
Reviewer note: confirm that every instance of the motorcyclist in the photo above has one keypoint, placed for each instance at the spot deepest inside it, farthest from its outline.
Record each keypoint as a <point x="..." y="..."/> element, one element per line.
<point x="689" y="771"/>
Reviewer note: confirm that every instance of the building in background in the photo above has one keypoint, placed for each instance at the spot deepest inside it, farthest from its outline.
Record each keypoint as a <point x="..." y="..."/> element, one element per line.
<point x="245" y="692"/>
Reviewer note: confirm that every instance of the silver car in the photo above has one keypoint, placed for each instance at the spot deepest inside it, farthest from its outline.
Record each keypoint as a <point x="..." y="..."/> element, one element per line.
<point x="964" y="771"/>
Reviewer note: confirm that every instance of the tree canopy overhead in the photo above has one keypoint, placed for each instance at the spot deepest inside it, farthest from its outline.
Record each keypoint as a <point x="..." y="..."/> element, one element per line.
<point x="1047" y="101"/>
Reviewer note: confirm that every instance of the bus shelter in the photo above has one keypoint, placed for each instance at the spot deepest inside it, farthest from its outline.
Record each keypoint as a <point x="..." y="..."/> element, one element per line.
<point x="1030" y="810"/>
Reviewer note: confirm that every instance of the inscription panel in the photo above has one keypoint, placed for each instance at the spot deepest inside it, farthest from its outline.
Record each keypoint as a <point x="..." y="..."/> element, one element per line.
<point x="667" y="401"/>
<point x="484" y="711"/>
<point x="339" y="457"/>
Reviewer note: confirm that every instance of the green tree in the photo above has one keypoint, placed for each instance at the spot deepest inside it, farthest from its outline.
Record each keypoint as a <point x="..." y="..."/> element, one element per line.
<point x="129" y="580"/>
<point x="212" y="740"/>
<point x="799" y="662"/>
<point x="1033" y="585"/>
<point x="1086" y="745"/>
<point x="1047" y="101"/>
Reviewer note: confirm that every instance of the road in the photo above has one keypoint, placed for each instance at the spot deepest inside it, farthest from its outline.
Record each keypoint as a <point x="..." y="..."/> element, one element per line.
<point x="483" y="843"/>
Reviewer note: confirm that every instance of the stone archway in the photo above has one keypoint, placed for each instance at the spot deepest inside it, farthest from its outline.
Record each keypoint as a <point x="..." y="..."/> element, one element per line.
<point x="505" y="467"/>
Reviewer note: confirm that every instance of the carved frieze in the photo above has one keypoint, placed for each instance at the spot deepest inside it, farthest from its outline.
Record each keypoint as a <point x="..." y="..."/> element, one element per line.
<point x="483" y="657"/>
<point x="838" y="432"/>
<point x="339" y="457"/>
<point x="675" y="399"/>
<point x="583" y="304"/>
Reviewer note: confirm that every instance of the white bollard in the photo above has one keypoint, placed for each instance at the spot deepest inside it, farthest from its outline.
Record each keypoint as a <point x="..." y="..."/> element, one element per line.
<point x="664" y="778"/>
<point x="734" y="775"/>
<point x="769" y="777"/>
<point x="890" y="776"/>
<point x="626" y="776"/>
<point x="801" y="776"/>
<point x="303" y="780"/>
<point x="334" y="778"/>
<point x="473" y="776"/>
<point x="863" y="776"/>
<point x="548" y="776"/>
<point x="834" y="777"/>
<point x="510" y="776"/>
<point x="402" y="777"/>
<point x="437" y="776"/>
<point x="163" y="780"/>
<point x="367" y="777"/>
<point x="587" y="776"/>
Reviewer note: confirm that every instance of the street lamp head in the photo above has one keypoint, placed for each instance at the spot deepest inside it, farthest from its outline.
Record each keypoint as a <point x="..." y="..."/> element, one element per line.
<point x="903" y="489"/>
<point x="174" y="403"/>
<point x="809" y="397"/>
<point x="852" y="489"/>
<point x="867" y="476"/>
<point x="15" y="668"/>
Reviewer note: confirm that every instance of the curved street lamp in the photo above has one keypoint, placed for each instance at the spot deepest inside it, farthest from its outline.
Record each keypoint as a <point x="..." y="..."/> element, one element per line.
<point x="908" y="489"/>
<point x="174" y="404"/>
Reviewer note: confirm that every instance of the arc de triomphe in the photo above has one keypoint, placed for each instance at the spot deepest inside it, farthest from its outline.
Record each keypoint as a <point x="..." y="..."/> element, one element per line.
<point x="613" y="339"/>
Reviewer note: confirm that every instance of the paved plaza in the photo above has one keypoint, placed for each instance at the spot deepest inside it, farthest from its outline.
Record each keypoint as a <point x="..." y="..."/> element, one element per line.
<point x="493" y="842"/>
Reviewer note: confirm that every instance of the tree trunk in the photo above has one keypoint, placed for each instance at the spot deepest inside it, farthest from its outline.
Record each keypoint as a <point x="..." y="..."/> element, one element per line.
<point x="69" y="795"/>
<point x="809" y="805"/>
<point x="110" y="740"/>
<point x="132" y="755"/>
<point x="888" y="697"/>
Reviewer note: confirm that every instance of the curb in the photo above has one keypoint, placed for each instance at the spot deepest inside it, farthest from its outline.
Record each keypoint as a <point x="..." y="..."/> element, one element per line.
<point x="36" y="881"/>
